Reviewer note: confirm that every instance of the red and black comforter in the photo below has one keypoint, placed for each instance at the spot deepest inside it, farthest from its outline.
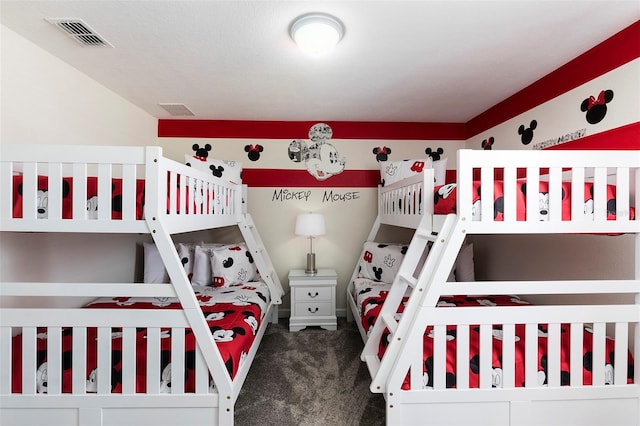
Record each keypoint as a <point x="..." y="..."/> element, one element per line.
<point x="233" y="314"/>
<point x="445" y="200"/>
<point x="201" y="201"/>
<point x="370" y="296"/>
<point x="67" y="197"/>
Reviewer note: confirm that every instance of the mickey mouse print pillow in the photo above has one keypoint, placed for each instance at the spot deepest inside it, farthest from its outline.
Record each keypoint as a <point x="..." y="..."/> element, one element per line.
<point x="381" y="261"/>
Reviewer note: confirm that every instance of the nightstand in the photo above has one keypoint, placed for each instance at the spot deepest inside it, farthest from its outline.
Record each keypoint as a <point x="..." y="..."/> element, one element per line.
<point x="313" y="299"/>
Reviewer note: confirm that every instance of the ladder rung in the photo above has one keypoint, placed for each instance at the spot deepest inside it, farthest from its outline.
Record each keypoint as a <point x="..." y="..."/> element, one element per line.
<point x="424" y="234"/>
<point x="408" y="279"/>
<point x="389" y="321"/>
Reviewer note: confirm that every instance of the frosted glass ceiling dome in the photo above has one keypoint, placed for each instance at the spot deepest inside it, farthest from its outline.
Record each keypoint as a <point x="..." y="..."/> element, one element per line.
<point x="316" y="33"/>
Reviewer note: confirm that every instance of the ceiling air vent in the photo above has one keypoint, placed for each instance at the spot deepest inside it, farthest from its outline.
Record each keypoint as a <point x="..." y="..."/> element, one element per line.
<point x="81" y="32"/>
<point x="176" y="109"/>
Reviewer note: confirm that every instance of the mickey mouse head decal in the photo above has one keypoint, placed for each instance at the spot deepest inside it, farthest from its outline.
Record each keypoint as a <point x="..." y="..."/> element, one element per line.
<point x="596" y="108"/>
<point x="201" y="153"/>
<point x="526" y="135"/>
<point x="487" y="144"/>
<point x="435" y="155"/>
<point x="253" y="151"/>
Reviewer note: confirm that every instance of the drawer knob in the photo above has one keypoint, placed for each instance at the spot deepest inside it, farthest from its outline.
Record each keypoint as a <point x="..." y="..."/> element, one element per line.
<point x="313" y="295"/>
<point x="314" y="310"/>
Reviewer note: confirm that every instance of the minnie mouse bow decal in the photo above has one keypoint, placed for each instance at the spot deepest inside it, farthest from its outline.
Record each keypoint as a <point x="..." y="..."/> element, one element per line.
<point x="253" y="151"/>
<point x="596" y="107"/>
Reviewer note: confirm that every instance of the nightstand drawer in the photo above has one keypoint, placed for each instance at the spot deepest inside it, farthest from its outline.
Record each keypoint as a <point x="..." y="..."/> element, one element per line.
<point x="313" y="299"/>
<point x="311" y="309"/>
<point x="308" y="294"/>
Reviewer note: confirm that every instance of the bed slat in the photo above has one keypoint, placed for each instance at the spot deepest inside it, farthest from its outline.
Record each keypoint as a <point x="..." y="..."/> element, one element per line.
<point x="576" y="366"/>
<point x="486" y="358"/>
<point x="54" y="360"/>
<point x="129" y="366"/>
<point x="79" y="348"/>
<point x="105" y="176"/>
<point x="462" y="357"/>
<point x="598" y="351"/>
<point x="29" y="361"/>
<point x="621" y="361"/>
<point x="103" y="371"/>
<point x="6" y="344"/>
<point x="577" y="198"/>
<point x="553" y="355"/>
<point x="153" y="360"/>
<point x="55" y="195"/>
<point x="508" y="355"/>
<point x="79" y="210"/>
<point x="177" y="361"/>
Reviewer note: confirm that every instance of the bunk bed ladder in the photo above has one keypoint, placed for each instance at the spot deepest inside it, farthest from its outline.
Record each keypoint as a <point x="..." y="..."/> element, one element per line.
<point x="405" y="279"/>
<point x="425" y="272"/>
<point x="262" y="259"/>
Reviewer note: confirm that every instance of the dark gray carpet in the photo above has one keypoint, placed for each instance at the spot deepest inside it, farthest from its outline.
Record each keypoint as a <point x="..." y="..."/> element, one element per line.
<point x="307" y="378"/>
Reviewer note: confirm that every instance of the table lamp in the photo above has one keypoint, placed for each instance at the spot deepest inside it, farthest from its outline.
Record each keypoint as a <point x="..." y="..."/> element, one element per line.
<point x="310" y="225"/>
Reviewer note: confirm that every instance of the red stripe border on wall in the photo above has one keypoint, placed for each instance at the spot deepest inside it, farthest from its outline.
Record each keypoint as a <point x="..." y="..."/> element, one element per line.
<point x="612" y="53"/>
<point x="284" y="178"/>
<point x="300" y="129"/>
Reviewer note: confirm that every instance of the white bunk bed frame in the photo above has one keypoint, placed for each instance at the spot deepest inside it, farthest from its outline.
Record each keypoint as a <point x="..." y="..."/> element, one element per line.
<point x="618" y="403"/>
<point x="205" y="405"/>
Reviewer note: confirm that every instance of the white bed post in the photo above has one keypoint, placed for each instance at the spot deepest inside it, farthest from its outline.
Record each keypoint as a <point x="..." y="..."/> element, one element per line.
<point x="154" y="213"/>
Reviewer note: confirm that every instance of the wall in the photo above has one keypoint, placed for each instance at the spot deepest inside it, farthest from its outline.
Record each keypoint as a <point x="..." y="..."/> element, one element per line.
<point x="279" y="188"/>
<point x="554" y="103"/>
<point x="45" y="101"/>
<point x="608" y="74"/>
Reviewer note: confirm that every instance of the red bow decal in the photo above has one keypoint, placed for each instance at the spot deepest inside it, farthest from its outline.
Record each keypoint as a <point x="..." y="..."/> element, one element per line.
<point x="599" y="101"/>
<point x="200" y="158"/>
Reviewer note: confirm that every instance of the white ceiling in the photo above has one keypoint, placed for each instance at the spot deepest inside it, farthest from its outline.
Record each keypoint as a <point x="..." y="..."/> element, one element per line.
<point x="424" y="61"/>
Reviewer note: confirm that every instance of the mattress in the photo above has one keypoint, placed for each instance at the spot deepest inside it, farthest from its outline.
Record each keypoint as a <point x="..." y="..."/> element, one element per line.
<point x="233" y="314"/>
<point x="369" y="296"/>
<point x="445" y="197"/>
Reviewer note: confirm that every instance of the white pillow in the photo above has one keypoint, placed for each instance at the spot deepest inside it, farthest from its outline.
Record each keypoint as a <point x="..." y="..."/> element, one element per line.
<point x="201" y="272"/>
<point x="154" y="270"/>
<point x="232" y="264"/>
<point x="463" y="269"/>
<point x="440" y="171"/>
<point x="186" y="253"/>
<point x="393" y="171"/>
<point x="225" y="169"/>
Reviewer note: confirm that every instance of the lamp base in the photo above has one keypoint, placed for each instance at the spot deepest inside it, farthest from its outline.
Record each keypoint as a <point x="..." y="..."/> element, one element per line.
<point x="311" y="264"/>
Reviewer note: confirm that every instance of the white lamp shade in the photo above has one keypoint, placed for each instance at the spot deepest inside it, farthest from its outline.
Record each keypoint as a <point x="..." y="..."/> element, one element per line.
<point x="310" y="224"/>
<point x="316" y="33"/>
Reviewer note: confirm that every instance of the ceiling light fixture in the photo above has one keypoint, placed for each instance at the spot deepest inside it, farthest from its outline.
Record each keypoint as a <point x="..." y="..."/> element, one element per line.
<point x="316" y="33"/>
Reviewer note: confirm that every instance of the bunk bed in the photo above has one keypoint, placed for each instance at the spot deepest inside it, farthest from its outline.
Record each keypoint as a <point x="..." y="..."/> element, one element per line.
<point x="475" y="352"/>
<point x="106" y="363"/>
